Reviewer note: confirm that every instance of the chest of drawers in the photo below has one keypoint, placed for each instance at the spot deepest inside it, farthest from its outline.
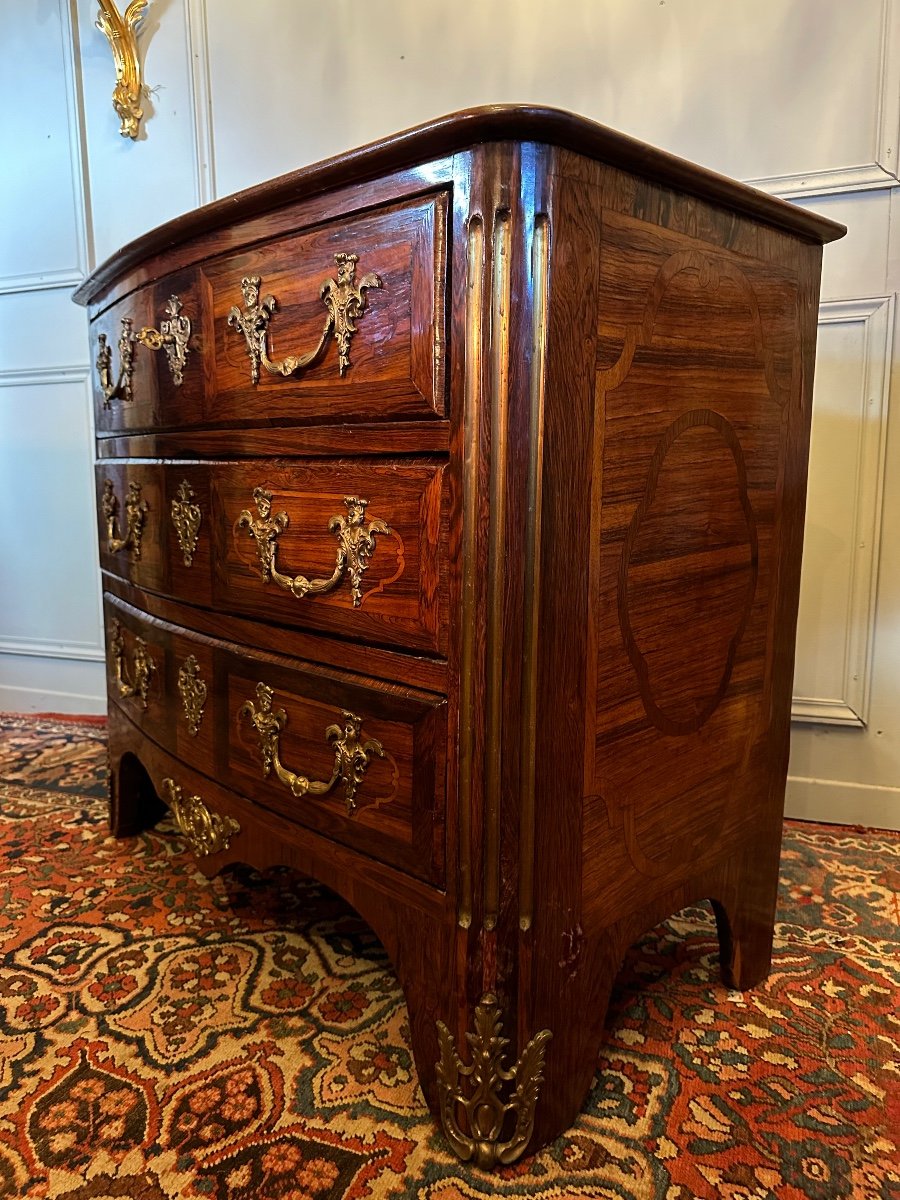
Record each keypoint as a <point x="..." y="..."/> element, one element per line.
<point x="450" y="509"/>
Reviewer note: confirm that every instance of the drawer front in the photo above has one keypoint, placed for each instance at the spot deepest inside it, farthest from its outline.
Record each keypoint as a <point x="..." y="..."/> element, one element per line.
<point x="138" y="671"/>
<point x="131" y="522"/>
<point x="372" y="325"/>
<point x="137" y="387"/>
<point x="362" y="763"/>
<point x="352" y="548"/>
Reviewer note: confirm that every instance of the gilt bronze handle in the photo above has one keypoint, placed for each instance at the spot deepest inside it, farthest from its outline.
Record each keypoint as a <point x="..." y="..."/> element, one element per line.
<point x="172" y="336"/>
<point x="355" y="538"/>
<point x="206" y="831"/>
<point x="142" y="666"/>
<point x="351" y="754"/>
<point x="345" y="302"/>
<point x="136" y="511"/>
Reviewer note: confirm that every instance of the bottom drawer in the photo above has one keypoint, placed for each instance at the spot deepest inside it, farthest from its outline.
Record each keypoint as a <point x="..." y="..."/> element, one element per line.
<point x="359" y="761"/>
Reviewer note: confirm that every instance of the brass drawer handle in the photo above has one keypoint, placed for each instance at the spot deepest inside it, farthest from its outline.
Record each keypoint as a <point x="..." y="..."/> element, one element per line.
<point x="356" y="545"/>
<point x="206" y="831"/>
<point x="142" y="666"/>
<point x="351" y="755"/>
<point x="344" y="300"/>
<point x="172" y="336"/>
<point x="186" y="517"/>
<point x="136" y="511"/>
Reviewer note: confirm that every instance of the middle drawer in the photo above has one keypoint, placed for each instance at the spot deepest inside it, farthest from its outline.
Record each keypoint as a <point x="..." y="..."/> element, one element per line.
<point x="347" y="547"/>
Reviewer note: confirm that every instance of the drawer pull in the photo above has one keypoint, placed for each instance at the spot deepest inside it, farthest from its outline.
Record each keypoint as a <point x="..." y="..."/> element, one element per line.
<point x="186" y="517"/>
<point x="356" y="545"/>
<point x="206" y="831"/>
<point x="172" y="336"/>
<point x="351" y="755"/>
<point x="136" y="511"/>
<point x="193" y="692"/>
<point x="142" y="666"/>
<point x="345" y="301"/>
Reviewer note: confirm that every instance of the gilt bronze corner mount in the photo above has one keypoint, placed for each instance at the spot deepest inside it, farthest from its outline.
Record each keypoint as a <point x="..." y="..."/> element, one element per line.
<point x="474" y="1113"/>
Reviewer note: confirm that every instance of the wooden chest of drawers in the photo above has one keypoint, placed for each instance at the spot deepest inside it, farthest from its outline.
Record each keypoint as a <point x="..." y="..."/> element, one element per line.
<point x="450" y="509"/>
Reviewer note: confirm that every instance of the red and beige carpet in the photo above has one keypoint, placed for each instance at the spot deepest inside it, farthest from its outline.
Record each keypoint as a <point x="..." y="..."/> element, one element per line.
<point x="165" y="1037"/>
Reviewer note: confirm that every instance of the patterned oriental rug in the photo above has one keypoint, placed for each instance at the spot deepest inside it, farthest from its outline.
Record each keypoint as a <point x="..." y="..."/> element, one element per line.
<point x="166" y="1037"/>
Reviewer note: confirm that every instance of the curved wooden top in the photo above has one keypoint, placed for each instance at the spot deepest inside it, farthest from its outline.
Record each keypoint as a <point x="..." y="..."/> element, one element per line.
<point x="447" y="135"/>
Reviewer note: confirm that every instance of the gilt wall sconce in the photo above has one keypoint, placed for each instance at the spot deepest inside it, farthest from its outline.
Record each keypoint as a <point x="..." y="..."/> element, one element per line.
<point x="120" y="32"/>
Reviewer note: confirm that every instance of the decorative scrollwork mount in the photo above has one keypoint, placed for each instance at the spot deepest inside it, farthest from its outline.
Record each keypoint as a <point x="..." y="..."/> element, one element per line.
<point x="351" y="754"/>
<point x="142" y="666"/>
<point x="186" y="517"/>
<point x="193" y="691"/>
<point x="206" y="831"/>
<point x="120" y="33"/>
<point x="136" y="511"/>
<point x="345" y="301"/>
<point x="481" y="1102"/>
<point x="356" y="544"/>
<point x="173" y="336"/>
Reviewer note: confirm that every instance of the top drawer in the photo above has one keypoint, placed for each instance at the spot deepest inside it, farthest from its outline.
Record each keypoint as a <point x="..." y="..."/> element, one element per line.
<point x="336" y="323"/>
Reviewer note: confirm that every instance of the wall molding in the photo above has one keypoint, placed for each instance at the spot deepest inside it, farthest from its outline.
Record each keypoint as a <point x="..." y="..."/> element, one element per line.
<point x="887" y="136"/>
<point x="74" y="651"/>
<point x="863" y="178"/>
<point x="78" y="134"/>
<point x="851" y="707"/>
<point x="842" y="802"/>
<point x="18" y="699"/>
<point x="197" y="38"/>
<point x="69" y="276"/>
<point x="34" y="376"/>
<point x="884" y="168"/>
<point x="41" y="281"/>
<point x="47" y="648"/>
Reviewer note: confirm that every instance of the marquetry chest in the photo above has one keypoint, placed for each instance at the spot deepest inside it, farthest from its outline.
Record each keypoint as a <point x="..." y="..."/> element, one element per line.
<point x="450" y="505"/>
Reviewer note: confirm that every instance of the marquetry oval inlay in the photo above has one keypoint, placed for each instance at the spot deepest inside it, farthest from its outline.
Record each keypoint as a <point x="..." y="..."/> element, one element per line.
<point x="689" y="570"/>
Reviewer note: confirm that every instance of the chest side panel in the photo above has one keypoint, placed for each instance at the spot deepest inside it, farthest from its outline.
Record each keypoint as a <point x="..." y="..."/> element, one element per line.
<point x="698" y="395"/>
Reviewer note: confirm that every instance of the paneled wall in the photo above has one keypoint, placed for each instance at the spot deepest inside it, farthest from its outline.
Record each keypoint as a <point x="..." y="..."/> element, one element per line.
<point x="800" y="97"/>
<point x="51" y="650"/>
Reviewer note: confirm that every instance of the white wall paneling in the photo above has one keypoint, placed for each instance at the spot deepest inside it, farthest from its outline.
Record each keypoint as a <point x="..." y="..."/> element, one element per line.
<point x="29" y="684"/>
<point x="42" y="232"/>
<point x="201" y="99"/>
<point x="136" y="185"/>
<point x="857" y="265"/>
<point x="878" y="163"/>
<point x="799" y="95"/>
<point x="843" y="526"/>
<point x="41" y="329"/>
<point x="844" y="802"/>
<point x="49" y="589"/>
